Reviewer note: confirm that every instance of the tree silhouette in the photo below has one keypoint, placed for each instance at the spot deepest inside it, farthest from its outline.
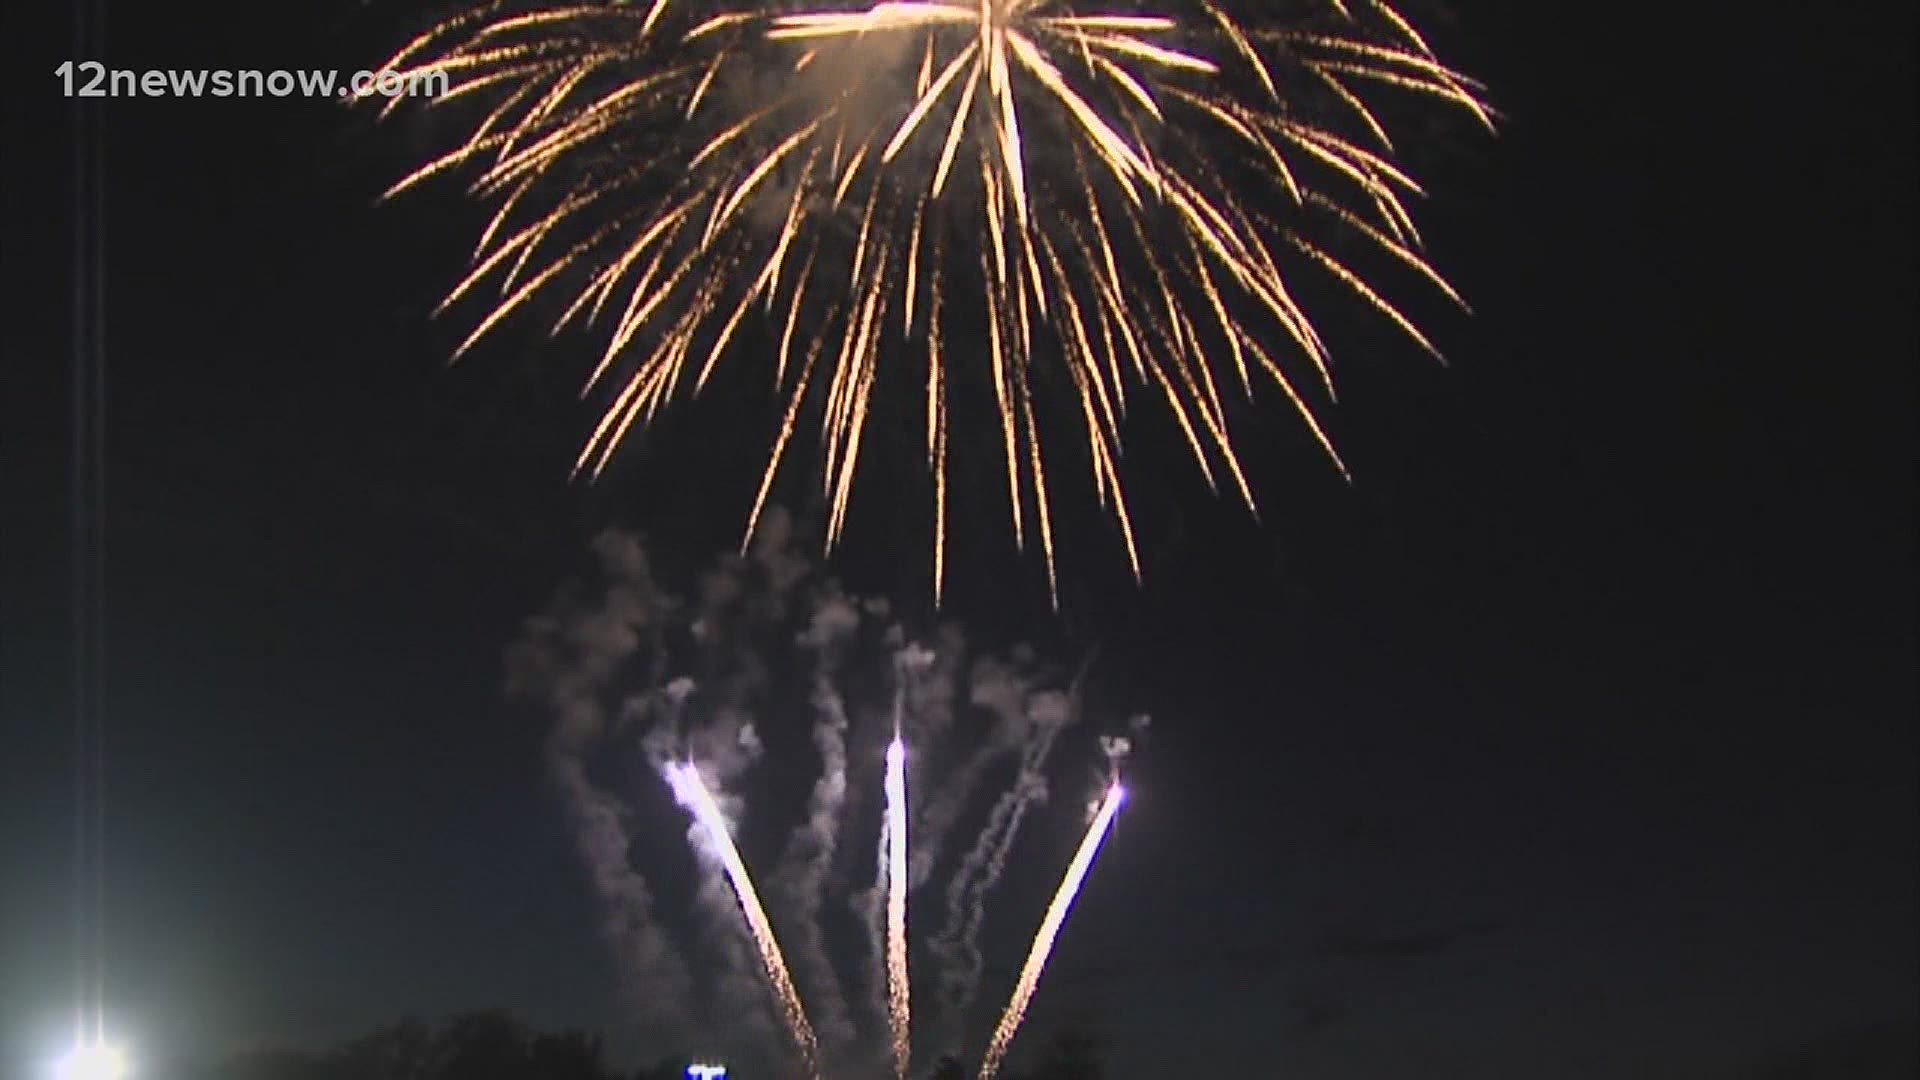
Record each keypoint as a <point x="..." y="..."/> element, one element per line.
<point x="497" y="1046"/>
<point x="402" y="1051"/>
<point x="566" y="1055"/>
<point x="667" y="1068"/>
<point x="1073" y="1056"/>
<point x="472" y="1046"/>
<point x="482" y="1046"/>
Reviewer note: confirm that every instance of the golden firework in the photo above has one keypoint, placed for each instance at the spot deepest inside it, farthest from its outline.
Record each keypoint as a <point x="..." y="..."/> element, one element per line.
<point x="1118" y="197"/>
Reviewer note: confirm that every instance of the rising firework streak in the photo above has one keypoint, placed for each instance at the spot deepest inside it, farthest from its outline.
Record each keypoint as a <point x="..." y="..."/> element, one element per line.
<point x="692" y="793"/>
<point x="1049" y="930"/>
<point x="899" y="1011"/>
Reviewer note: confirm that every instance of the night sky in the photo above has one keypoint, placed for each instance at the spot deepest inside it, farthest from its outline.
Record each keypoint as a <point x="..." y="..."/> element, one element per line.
<point x="1573" y="738"/>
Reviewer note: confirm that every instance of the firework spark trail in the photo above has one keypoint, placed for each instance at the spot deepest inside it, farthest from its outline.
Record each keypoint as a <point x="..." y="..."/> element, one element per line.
<point x="1049" y="930"/>
<point x="693" y="794"/>
<point x="874" y="906"/>
<point x="898" y="1004"/>
<point x="1127" y="197"/>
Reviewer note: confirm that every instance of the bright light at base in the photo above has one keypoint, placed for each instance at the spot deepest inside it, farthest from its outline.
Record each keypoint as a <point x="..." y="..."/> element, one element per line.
<point x="92" y="1063"/>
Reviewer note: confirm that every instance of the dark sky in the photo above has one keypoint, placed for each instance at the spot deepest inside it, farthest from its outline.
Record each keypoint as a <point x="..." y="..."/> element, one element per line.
<point x="1575" y="738"/>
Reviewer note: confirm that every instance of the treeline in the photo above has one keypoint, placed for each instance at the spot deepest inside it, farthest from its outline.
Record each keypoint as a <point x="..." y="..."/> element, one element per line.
<point x="472" y="1046"/>
<point x="497" y="1046"/>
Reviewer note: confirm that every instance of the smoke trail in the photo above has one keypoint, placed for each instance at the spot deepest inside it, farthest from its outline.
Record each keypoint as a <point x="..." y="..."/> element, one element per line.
<point x="693" y="794"/>
<point x="1004" y="692"/>
<point x="943" y="810"/>
<point x="758" y="621"/>
<point x="928" y="677"/>
<point x="898" y="991"/>
<point x="966" y="961"/>
<point x="870" y="905"/>
<point x="803" y="878"/>
<point x="1049" y="931"/>
<point x="805" y="865"/>
<point x="958" y="944"/>
<point x="566" y="657"/>
<point x="938" y="677"/>
<point x="653" y="974"/>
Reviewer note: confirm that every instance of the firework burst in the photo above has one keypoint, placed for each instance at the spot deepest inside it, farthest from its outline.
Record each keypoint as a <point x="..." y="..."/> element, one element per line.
<point x="1113" y="203"/>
